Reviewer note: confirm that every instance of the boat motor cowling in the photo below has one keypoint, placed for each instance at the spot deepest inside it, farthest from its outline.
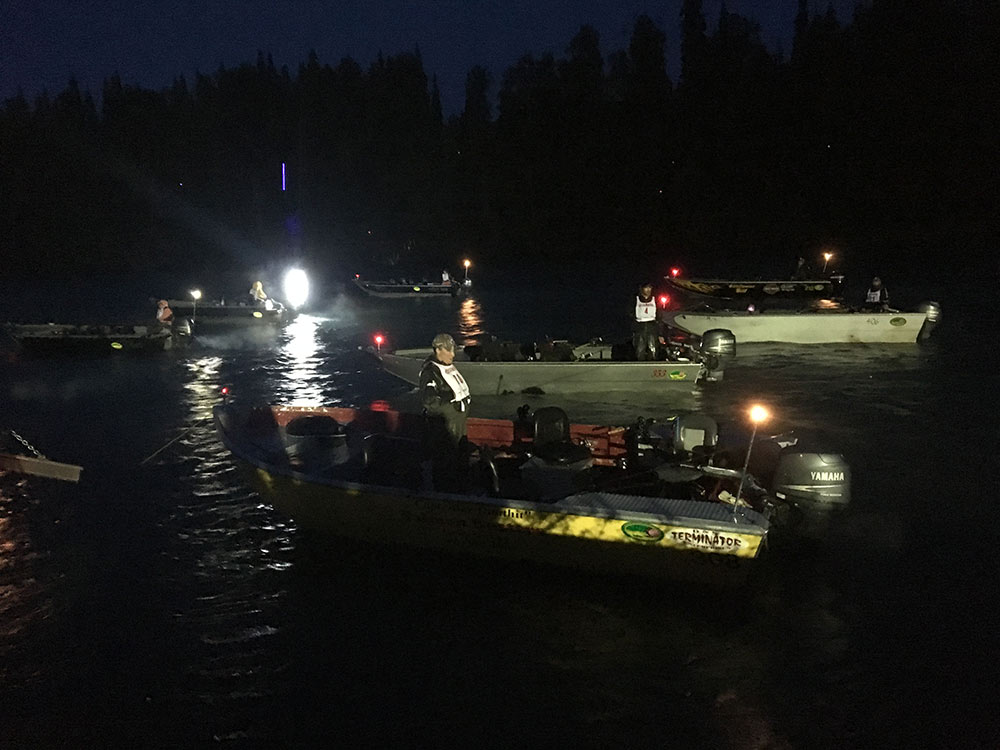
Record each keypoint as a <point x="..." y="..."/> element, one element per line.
<point x="719" y="342"/>
<point x="814" y="482"/>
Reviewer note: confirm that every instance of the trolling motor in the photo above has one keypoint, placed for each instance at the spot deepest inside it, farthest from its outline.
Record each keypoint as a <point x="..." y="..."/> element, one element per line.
<point x="643" y="448"/>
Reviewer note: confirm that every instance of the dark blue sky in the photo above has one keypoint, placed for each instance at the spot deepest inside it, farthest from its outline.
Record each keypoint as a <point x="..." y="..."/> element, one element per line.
<point x="43" y="43"/>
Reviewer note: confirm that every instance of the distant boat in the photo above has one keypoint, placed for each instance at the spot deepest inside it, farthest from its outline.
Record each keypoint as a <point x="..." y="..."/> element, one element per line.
<point x="834" y="326"/>
<point x="61" y="339"/>
<point x="393" y="289"/>
<point x="223" y="315"/>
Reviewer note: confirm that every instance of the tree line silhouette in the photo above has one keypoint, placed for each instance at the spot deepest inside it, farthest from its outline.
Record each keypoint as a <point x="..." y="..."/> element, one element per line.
<point x="878" y="135"/>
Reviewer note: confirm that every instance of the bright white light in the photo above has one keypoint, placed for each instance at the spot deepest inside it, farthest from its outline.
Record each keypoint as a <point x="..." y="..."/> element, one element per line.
<point x="758" y="413"/>
<point x="196" y="293"/>
<point x="296" y="286"/>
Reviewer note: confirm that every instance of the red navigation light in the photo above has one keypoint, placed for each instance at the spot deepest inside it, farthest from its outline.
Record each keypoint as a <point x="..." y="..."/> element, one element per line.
<point x="225" y="390"/>
<point x="357" y="275"/>
<point x="675" y="272"/>
<point x="664" y="299"/>
<point x="379" y="338"/>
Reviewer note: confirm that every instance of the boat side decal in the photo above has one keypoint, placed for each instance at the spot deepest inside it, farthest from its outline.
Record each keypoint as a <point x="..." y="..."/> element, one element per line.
<point x="642" y="532"/>
<point x="897" y="321"/>
<point x="663" y="372"/>
<point x="707" y="540"/>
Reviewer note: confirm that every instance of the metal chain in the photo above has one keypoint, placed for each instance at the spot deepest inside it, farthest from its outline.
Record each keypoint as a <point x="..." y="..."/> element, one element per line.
<point x="26" y="444"/>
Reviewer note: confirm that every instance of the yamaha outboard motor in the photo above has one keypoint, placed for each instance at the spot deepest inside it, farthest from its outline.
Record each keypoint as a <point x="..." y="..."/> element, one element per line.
<point x="932" y="314"/>
<point x="717" y="346"/>
<point x="817" y="484"/>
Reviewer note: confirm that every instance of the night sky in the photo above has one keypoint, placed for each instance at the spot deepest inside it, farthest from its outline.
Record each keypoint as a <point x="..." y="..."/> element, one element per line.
<point x="43" y="43"/>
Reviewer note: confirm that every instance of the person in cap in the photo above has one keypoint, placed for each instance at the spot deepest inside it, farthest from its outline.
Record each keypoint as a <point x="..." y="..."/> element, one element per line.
<point x="876" y="298"/>
<point x="645" y="324"/>
<point x="445" y="396"/>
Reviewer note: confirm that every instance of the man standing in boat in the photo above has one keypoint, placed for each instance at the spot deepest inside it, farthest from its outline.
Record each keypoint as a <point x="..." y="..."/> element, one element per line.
<point x="645" y="325"/>
<point x="877" y="298"/>
<point x="446" y="397"/>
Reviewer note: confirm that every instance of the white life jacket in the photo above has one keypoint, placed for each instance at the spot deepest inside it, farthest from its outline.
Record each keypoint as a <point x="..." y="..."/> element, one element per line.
<point x="455" y="380"/>
<point x="874" y="295"/>
<point x="645" y="311"/>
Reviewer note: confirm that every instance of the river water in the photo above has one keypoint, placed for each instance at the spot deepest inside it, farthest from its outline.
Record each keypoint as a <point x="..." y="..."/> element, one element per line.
<point x="160" y="603"/>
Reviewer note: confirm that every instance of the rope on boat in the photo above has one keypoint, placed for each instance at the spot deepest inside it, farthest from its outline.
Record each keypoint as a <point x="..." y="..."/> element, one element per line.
<point x="170" y="442"/>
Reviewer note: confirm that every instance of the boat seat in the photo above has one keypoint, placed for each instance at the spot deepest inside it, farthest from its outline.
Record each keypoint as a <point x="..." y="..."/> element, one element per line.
<point x="695" y="433"/>
<point x="551" y="438"/>
<point x="314" y="425"/>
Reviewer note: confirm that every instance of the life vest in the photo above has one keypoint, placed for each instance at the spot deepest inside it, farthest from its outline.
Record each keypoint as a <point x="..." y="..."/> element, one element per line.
<point x="645" y="311"/>
<point x="455" y="381"/>
<point x="875" y="295"/>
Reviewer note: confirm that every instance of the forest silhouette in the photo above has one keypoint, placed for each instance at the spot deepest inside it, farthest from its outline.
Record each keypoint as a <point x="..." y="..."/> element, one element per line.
<point x="878" y="136"/>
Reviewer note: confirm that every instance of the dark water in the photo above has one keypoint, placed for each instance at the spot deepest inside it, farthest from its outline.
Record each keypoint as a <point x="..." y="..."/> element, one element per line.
<point x="162" y="604"/>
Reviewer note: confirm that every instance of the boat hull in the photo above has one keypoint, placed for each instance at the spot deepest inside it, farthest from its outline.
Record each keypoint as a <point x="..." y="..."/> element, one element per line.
<point x="509" y="531"/>
<point x="580" y="376"/>
<point x="216" y="316"/>
<point x="388" y="290"/>
<point x="805" y="327"/>
<point x="609" y="533"/>
<point x="74" y="340"/>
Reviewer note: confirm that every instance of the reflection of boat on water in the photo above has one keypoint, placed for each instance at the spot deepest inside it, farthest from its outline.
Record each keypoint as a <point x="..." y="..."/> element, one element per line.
<point x="217" y="315"/>
<point x="589" y="368"/>
<point x="393" y="289"/>
<point x="59" y="339"/>
<point x="836" y="325"/>
<point x="537" y="487"/>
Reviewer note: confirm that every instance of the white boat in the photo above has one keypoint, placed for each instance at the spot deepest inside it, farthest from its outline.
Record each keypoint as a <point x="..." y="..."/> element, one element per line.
<point x="835" y="326"/>
<point x="591" y="370"/>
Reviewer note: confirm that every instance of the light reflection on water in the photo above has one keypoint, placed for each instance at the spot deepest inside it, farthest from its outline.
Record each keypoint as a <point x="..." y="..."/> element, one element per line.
<point x="469" y="321"/>
<point x="302" y="359"/>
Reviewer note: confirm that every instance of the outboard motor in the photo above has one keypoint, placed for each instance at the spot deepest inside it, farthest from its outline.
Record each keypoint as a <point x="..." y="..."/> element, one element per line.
<point x="181" y="327"/>
<point x="716" y="347"/>
<point x="932" y="314"/>
<point x="816" y="483"/>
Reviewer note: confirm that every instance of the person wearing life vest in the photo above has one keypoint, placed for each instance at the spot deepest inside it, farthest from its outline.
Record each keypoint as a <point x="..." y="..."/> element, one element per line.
<point x="164" y="315"/>
<point x="445" y="396"/>
<point x="876" y="298"/>
<point x="645" y="324"/>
